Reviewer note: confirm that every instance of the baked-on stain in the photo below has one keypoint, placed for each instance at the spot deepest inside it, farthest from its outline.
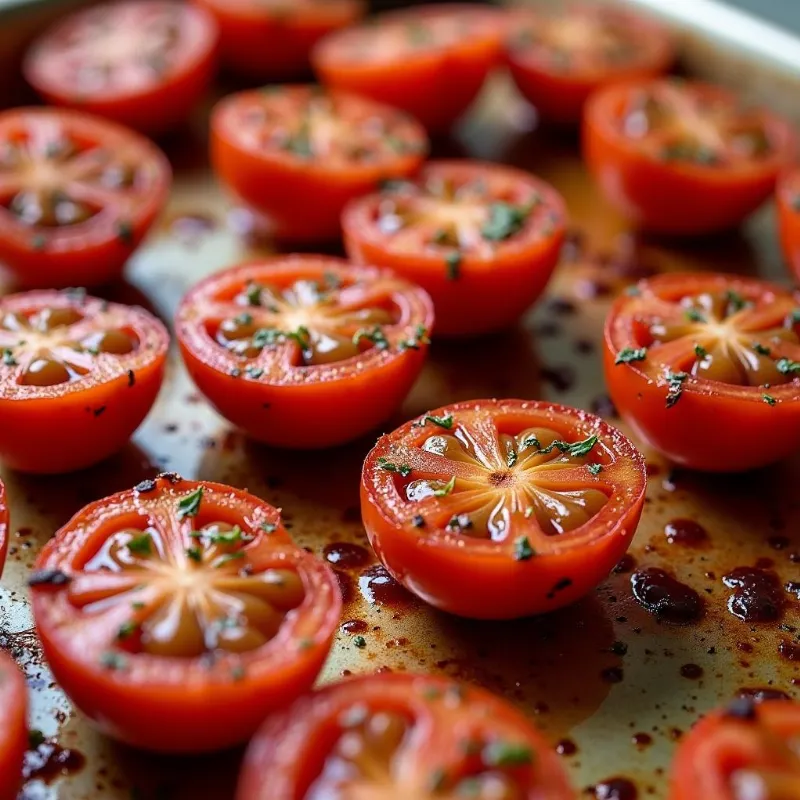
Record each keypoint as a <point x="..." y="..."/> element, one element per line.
<point x="789" y="650"/>
<point x="346" y="555"/>
<point x="642" y="740"/>
<point x="50" y="761"/>
<point x="625" y="564"/>
<point x="616" y="789"/>
<point x="345" y="585"/>
<point x="691" y="671"/>
<point x="758" y="595"/>
<point x="666" y="597"/>
<point x="566" y="747"/>
<point x="379" y="587"/>
<point x="354" y="626"/>
<point x="685" y="532"/>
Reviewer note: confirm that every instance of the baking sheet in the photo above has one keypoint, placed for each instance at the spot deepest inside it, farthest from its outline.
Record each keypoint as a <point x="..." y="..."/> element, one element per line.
<point x="609" y="685"/>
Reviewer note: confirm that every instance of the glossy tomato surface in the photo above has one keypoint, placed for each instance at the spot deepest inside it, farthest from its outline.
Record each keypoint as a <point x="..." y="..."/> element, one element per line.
<point x="304" y="351"/>
<point x="178" y="614"/>
<point x="3" y="527"/>
<point x="481" y="239"/>
<point x="706" y="368"/>
<point x="682" y="157"/>
<point x="142" y="63"/>
<point x="401" y="736"/>
<point x="742" y="752"/>
<point x="77" y="377"/>
<point x="533" y="502"/>
<point x="789" y="219"/>
<point x="13" y="726"/>
<point x="271" y="40"/>
<point x="430" y="61"/>
<point x="77" y="195"/>
<point x="559" y="54"/>
<point x="298" y="154"/>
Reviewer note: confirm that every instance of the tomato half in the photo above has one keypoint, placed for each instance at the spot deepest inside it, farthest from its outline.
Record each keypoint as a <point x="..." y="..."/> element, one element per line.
<point x="533" y="502"/>
<point x="3" y="528"/>
<point x="745" y="752"/>
<point x="558" y="55"/>
<point x="481" y="239"/>
<point x="706" y="368"/>
<point x="297" y="154"/>
<point x="142" y="63"/>
<point x="683" y="157"/>
<point x="272" y="39"/>
<point x="14" y="727"/>
<point x="291" y="349"/>
<point x="77" y="195"/>
<point x="431" y="62"/>
<point x="178" y="614"/>
<point x="77" y="377"/>
<point x="789" y="219"/>
<point x="401" y="736"/>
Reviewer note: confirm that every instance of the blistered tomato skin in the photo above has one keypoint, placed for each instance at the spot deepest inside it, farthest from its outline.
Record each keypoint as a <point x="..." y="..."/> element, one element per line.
<point x="789" y="219"/>
<point x="179" y="614"/>
<point x="701" y="363"/>
<point x="533" y="502"/>
<point x="14" y="730"/>
<point x="77" y="377"/>
<point x="682" y="158"/>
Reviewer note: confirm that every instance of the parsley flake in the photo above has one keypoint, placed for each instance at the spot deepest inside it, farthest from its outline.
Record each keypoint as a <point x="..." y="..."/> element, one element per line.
<point x="446" y="489"/>
<point x="507" y="754"/>
<point x="268" y="527"/>
<point x="8" y="358"/>
<point x="595" y="469"/>
<point x="675" y="382"/>
<point x="189" y="505"/>
<point x="445" y="421"/>
<point x="359" y="641"/>
<point x="694" y="315"/>
<point x="735" y="301"/>
<point x="126" y="630"/>
<point x="141" y="545"/>
<point x="194" y="553"/>
<point x="769" y="399"/>
<point x="700" y="351"/>
<point x="504" y="221"/>
<point x="629" y="354"/>
<point x="453" y="262"/>
<point x="787" y="367"/>
<point x="403" y="470"/>
<point x="376" y="336"/>
<point x="419" y="338"/>
<point x="576" y="449"/>
<point x="227" y="557"/>
<point x="112" y="660"/>
<point x="760" y="349"/>
<point x="522" y="549"/>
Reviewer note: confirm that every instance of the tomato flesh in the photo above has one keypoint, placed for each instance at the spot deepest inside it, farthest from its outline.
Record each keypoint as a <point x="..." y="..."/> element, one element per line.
<point x="77" y="377"/>
<point x="534" y="502"/>
<point x="683" y="158"/>
<point x="277" y="147"/>
<point x="142" y="63"/>
<point x="14" y="730"/>
<point x="789" y="219"/>
<point x="559" y="55"/>
<point x="691" y="358"/>
<point x="481" y="239"/>
<point x="401" y="736"/>
<point x="3" y="528"/>
<point x="178" y="614"/>
<point x="290" y="349"/>
<point x="746" y="751"/>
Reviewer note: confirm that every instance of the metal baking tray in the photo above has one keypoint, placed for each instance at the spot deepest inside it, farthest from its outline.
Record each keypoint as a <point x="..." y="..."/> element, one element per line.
<point x="611" y="687"/>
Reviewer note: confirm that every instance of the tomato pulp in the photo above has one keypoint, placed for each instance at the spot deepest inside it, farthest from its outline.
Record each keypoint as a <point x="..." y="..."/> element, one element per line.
<point x="431" y="61"/>
<point x="683" y="157"/>
<point x="706" y="368"/>
<point x="481" y="239"/>
<point x="789" y="219"/>
<point x="178" y="614"/>
<point x="279" y="147"/>
<point x="14" y="727"/>
<point x="533" y="502"/>
<point x="142" y="63"/>
<point x="401" y="735"/>
<point x="291" y="349"/>
<point x="77" y="377"/>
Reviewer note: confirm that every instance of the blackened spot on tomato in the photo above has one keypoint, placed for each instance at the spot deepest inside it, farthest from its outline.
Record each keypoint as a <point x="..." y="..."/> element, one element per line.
<point x="642" y="740"/>
<point x="418" y="521"/>
<point x="691" y="671"/>
<point x="170" y="477"/>
<point x="98" y="411"/>
<point x="685" y="532"/>
<point x="379" y="587"/>
<point x="625" y="564"/>
<point x="666" y="597"/>
<point x="616" y="789"/>
<point x="49" y="761"/>
<point x="131" y="378"/>
<point x="778" y="542"/>
<point x="354" y="626"/>
<point x="345" y="585"/>
<point x="346" y="555"/>
<point x="561" y="378"/>
<point x="560" y="585"/>
<point x="759" y="694"/>
<point x="758" y="595"/>
<point x="743" y="708"/>
<point x="789" y="650"/>
<point x="145" y="486"/>
<point x="49" y="577"/>
<point x="566" y="747"/>
<point x="612" y="675"/>
<point x="618" y="648"/>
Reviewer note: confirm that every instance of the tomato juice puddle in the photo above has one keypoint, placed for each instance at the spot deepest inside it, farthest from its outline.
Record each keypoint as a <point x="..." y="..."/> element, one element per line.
<point x="665" y="597"/>
<point x="49" y="760"/>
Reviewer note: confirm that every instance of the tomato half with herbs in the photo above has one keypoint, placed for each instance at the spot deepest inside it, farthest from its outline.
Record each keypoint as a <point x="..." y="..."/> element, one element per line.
<point x="683" y="157"/>
<point x="77" y="377"/>
<point x="272" y="39"/>
<point x="481" y="239"/>
<point x="298" y="154"/>
<point x="558" y="55"/>
<point x="304" y="351"/>
<point x="531" y="501"/>
<point x="177" y="615"/>
<point x="431" y="61"/>
<point x="747" y="751"/>
<point x="14" y="727"/>
<point x="706" y="368"/>
<point x="789" y="219"/>
<point x="77" y="195"/>
<point x="142" y="63"/>
<point x="401" y="736"/>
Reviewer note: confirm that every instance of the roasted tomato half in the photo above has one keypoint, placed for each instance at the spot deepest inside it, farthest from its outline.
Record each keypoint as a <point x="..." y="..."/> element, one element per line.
<point x="297" y="154"/>
<point x="560" y="54"/>
<point x="706" y="369"/>
<point x="304" y="351"/>
<point x="745" y="752"/>
<point x="401" y="736"/>
<point x="272" y="39"/>
<point x="3" y="527"/>
<point x="77" y="195"/>
<point x="481" y="239"/>
<point x="177" y="615"/>
<point x="789" y="219"/>
<point x="13" y="727"/>
<point x="77" y="377"/>
<point x="143" y="63"/>
<point x="683" y="157"/>
<point x="431" y="62"/>
<point x="532" y="502"/>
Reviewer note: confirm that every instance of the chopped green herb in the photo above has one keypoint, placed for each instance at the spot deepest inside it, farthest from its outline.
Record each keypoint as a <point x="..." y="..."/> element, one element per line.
<point x="576" y="449"/>
<point x="595" y="469"/>
<point x="141" y="545"/>
<point x="254" y="372"/>
<point x="189" y="505"/>
<point x="507" y="754"/>
<point x="531" y="441"/>
<point x="529" y="512"/>
<point x="302" y="336"/>
<point x="403" y="469"/>
<point x="38" y="242"/>
<point x="453" y="262"/>
<point x="253" y="294"/>
<point x="633" y="291"/>
<point x="126" y="630"/>
<point x="629" y="354"/>
<point x="787" y="367"/>
<point x="125" y="231"/>
<point x="504" y="221"/>
<point x="460" y="522"/>
<point x="236" y="372"/>
<point x="694" y="315"/>
<point x="760" y="349"/>
<point x="522" y="549"/>
<point x="300" y="143"/>
<point x="35" y="738"/>
<point x="446" y="489"/>
<point x="437" y="780"/>
<point x="264" y="337"/>
<point x="112" y="660"/>
<point x="735" y="301"/>
<point x="268" y="527"/>
<point x="511" y="457"/>
<point x="137" y="606"/>
<point x="332" y="281"/>
<point x="8" y="358"/>
<point x="419" y="338"/>
<point x="227" y="557"/>
<point x="769" y="399"/>
<point x="445" y="421"/>
<point x="194" y="553"/>
<point x="376" y="336"/>
<point x="359" y="641"/>
<point x="233" y="536"/>
<point x="675" y="381"/>
<point x="243" y="319"/>
<point x="700" y="351"/>
<point x="237" y="672"/>
<point x="794" y="317"/>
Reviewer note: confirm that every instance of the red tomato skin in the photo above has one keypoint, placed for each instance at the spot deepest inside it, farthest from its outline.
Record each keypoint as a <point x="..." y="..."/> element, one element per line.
<point x="3" y="528"/>
<point x="789" y="221"/>
<point x="664" y="198"/>
<point x="14" y="728"/>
